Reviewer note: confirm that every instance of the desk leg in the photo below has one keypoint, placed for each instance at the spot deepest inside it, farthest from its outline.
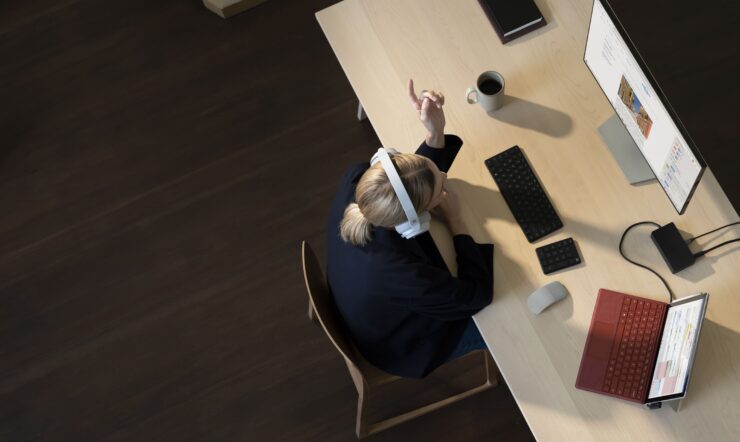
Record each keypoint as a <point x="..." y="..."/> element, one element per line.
<point x="361" y="115"/>
<point x="491" y="369"/>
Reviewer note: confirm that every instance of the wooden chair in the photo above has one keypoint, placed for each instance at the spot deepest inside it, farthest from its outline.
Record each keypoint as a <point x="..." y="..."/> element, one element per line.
<point x="365" y="376"/>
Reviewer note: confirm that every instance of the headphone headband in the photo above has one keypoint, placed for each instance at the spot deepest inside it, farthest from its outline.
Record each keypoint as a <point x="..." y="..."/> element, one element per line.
<point x="395" y="180"/>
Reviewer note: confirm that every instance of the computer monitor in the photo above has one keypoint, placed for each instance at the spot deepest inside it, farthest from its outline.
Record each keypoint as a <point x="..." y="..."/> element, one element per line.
<point x="655" y="130"/>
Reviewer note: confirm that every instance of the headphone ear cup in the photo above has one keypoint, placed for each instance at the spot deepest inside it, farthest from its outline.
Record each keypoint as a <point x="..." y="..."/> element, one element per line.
<point x="408" y="230"/>
<point x="405" y="229"/>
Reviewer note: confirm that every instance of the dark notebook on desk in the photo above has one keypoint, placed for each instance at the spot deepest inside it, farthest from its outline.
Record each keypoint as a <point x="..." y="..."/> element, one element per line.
<point x="513" y="18"/>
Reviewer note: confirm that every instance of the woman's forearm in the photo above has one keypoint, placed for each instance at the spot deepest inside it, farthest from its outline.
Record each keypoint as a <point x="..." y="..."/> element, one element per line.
<point x="435" y="140"/>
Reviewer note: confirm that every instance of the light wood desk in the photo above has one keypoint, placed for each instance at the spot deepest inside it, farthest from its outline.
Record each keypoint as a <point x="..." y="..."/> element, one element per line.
<point x="554" y="110"/>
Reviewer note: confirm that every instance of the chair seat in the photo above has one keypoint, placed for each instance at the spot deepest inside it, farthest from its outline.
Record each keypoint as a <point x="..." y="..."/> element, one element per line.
<point x="373" y="375"/>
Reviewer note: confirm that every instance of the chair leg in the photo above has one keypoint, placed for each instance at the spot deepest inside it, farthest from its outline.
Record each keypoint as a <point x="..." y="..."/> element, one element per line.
<point x="364" y="428"/>
<point x="377" y="427"/>
<point x="361" y="427"/>
<point x="312" y="313"/>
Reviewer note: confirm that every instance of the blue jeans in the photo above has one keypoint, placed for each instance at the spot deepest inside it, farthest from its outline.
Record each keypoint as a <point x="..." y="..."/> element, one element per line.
<point x="470" y="340"/>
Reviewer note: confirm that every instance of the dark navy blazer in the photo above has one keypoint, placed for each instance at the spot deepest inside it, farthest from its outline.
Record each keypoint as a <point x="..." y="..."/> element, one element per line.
<point x="403" y="308"/>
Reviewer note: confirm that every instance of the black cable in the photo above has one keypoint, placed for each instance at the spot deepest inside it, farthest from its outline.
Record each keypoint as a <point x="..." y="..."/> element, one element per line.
<point x="711" y="231"/>
<point x="704" y="252"/>
<point x="621" y="252"/>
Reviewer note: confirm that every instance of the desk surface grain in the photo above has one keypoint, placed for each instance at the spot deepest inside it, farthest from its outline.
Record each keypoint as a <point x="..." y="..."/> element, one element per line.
<point x="553" y="109"/>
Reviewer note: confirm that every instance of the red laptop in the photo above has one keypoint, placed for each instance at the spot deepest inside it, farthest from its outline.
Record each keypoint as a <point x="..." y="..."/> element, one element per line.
<point x="639" y="349"/>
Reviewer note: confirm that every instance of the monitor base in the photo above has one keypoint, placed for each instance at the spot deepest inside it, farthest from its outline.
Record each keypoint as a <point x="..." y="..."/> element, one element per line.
<point x="625" y="152"/>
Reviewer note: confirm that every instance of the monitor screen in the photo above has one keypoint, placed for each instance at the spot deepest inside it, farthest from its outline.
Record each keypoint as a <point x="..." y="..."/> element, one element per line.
<point x="641" y="106"/>
<point x="677" y="346"/>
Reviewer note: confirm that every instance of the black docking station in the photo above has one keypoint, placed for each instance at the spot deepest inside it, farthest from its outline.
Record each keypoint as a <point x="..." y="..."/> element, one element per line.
<point x="673" y="247"/>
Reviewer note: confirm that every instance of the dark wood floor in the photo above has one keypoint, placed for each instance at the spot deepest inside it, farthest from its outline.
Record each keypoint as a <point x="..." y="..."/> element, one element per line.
<point x="158" y="169"/>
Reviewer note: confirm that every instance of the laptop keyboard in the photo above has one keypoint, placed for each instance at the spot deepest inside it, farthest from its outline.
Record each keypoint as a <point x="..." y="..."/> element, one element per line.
<point x="634" y="348"/>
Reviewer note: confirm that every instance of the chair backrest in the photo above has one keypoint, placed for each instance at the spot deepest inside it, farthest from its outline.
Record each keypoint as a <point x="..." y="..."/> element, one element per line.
<point x="325" y="310"/>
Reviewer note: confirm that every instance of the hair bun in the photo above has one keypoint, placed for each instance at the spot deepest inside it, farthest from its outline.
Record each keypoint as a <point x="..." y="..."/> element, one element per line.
<point x="355" y="228"/>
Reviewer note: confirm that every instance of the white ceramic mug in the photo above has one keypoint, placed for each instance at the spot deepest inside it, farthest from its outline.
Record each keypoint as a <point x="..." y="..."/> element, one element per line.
<point x="489" y="91"/>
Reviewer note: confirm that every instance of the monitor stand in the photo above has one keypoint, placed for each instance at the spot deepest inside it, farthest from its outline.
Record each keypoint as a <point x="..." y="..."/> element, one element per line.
<point x="625" y="151"/>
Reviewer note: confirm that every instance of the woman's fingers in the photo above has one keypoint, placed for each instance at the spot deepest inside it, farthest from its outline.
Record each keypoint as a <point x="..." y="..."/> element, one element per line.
<point x="412" y="95"/>
<point x="436" y="97"/>
<point x="425" y="103"/>
<point x="439" y="99"/>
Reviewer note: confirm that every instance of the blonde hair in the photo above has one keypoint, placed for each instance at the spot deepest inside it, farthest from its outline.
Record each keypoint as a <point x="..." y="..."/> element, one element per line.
<point x="376" y="202"/>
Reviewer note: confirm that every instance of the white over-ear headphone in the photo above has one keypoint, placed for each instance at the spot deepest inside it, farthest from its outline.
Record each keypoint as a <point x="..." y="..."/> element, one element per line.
<point x="417" y="223"/>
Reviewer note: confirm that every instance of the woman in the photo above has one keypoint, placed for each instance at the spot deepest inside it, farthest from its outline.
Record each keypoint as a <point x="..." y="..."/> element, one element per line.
<point x="404" y="310"/>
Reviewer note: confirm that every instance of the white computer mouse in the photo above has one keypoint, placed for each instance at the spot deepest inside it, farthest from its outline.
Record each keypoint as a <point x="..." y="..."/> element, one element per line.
<point x="546" y="296"/>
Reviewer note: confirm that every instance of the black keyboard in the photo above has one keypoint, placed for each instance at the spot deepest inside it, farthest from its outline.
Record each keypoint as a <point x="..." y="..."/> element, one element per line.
<point x="523" y="193"/>
<point x="558" y="255"/>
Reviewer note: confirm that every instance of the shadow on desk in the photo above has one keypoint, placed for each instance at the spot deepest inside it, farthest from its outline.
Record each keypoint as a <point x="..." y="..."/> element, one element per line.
<point x="703" y="267"/>
<point x="715" y="366"/>
<point x="488" y="205"/>
<point x="529" y="115"/>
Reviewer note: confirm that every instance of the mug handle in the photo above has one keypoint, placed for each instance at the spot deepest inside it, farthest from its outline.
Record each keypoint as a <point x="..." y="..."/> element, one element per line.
<point x="467" y="95"/>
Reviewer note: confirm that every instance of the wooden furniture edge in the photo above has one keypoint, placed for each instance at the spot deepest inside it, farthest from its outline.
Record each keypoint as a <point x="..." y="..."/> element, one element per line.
<point x="229" y="8"/>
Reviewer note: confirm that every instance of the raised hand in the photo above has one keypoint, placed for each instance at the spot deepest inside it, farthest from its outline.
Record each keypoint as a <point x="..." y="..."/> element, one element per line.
<point x="432" y="116"/>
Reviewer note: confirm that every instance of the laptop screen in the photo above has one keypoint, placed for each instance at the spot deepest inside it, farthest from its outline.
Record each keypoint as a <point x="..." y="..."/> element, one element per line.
<point x="677" y="346"/>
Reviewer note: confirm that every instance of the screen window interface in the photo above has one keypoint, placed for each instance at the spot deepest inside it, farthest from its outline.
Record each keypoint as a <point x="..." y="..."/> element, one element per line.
<point x="676" y="348"/>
